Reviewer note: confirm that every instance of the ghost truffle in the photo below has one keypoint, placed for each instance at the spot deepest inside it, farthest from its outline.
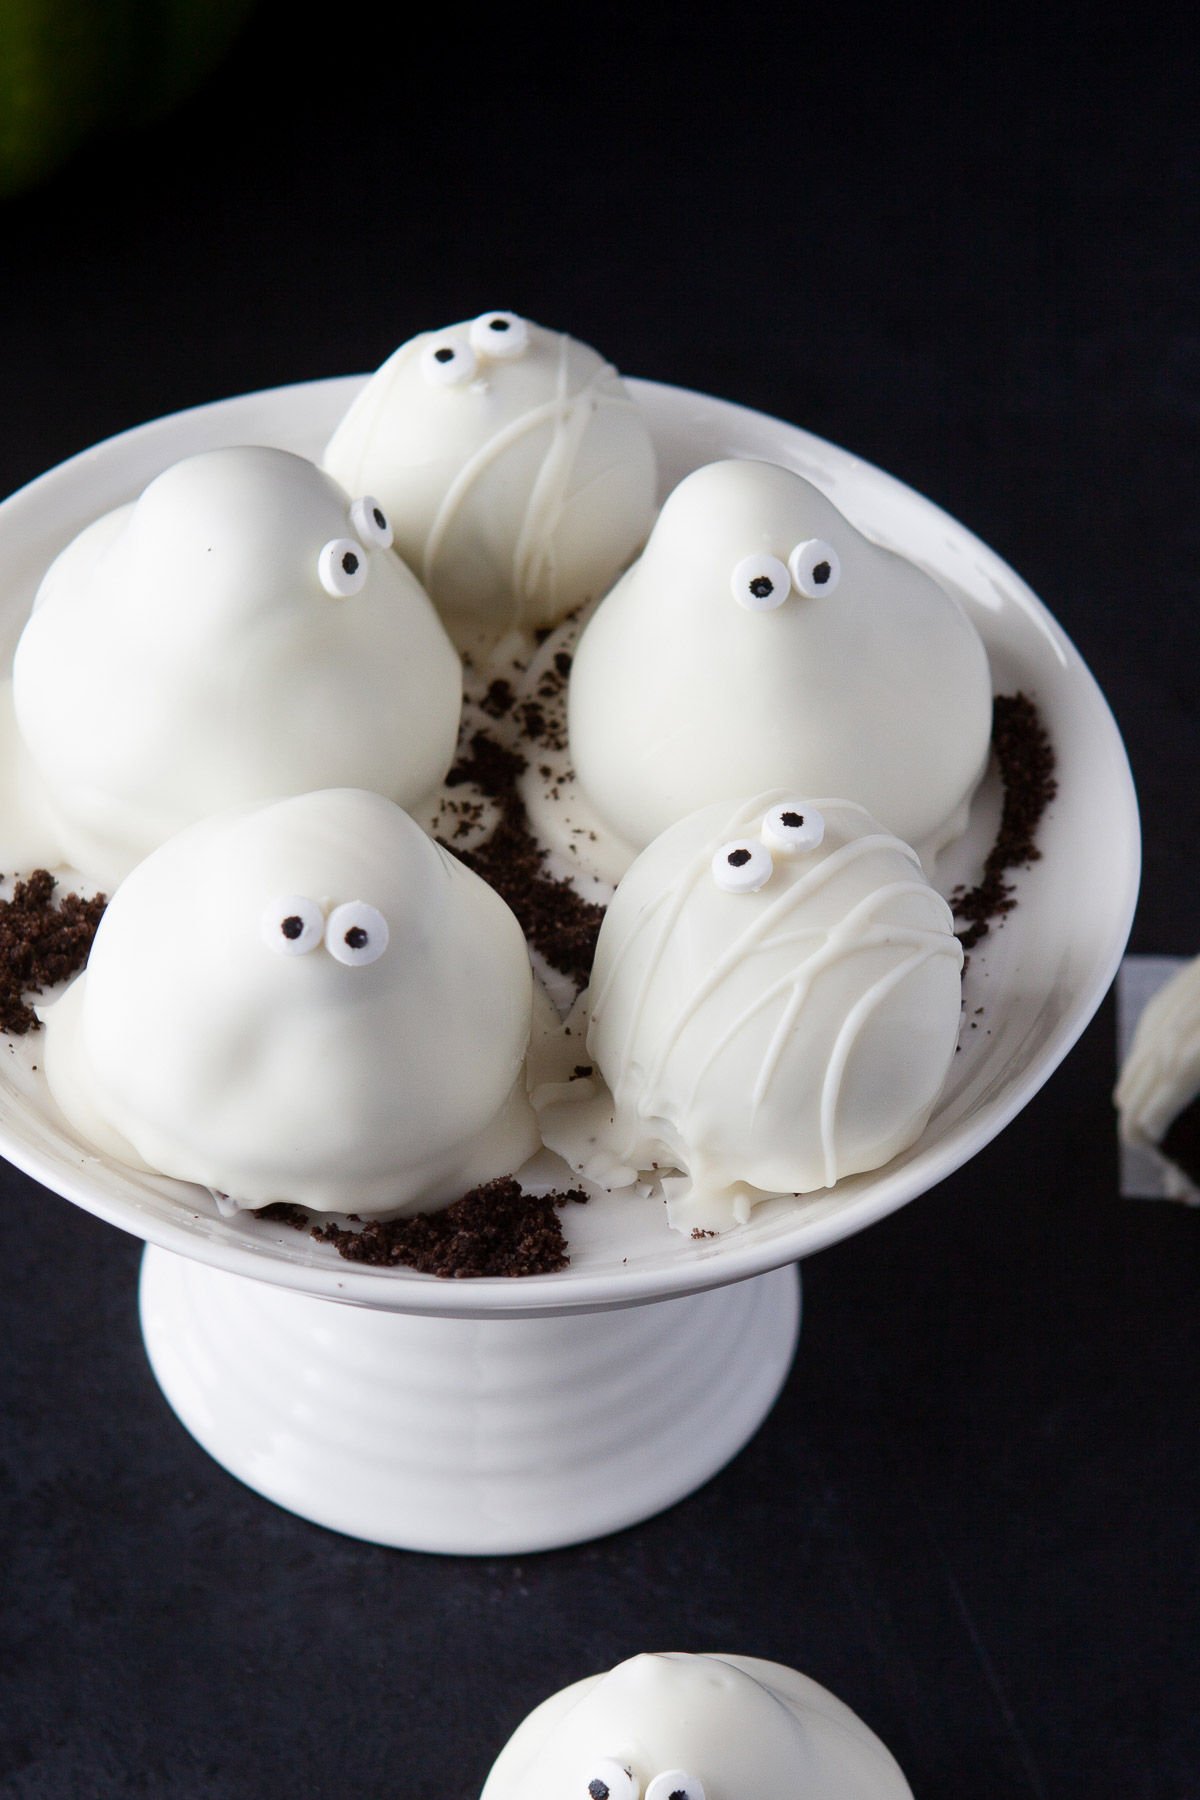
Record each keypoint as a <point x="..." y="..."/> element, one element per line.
<point x="681" y="1727"/>
<point x="306" y="1001"/>
<point x="774" y="1005"/>
<point x="760" y="638"/>
<point x="240" y="632"/>
<point x="517" y="470"/>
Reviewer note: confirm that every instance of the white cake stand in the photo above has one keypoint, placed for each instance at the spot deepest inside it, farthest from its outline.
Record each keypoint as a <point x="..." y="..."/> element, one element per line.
<point x="512" y="1415"/>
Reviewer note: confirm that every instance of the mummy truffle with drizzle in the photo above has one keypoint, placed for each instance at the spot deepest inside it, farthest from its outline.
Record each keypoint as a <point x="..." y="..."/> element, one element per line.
<point x="516" y="469"/>
<point x="306" y="1001"/>
<point x="761" y="638"/>
<point x="679" y="1727"/>
<point x="774" y="1005"/>
<point x="240" y="632"/>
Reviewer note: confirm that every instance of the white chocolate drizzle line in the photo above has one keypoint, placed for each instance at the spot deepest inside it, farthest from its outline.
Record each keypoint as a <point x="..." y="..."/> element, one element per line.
<point x="671" y="902"/>
<point x="562" y="407"/>
<point x="841" y="940"/>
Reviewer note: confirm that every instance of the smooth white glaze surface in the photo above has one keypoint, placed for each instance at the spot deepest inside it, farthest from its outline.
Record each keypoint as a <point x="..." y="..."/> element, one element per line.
<point x="704" y="1727"/>
<point x="184" y="655"/>
<point x="771" y="1036"/>
<point x="681" y="693"/>
<point x="1038" y="980"/>
<point x="519" y="484"/>
<point x="192" y="1047"/>
<point x="1161" y="1074"/>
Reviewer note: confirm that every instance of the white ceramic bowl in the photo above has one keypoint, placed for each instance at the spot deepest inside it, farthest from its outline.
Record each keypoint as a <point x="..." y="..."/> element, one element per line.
<point x="1039" y="980"/>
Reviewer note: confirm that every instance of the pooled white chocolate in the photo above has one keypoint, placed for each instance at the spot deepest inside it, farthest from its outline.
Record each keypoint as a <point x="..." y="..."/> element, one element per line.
<point x="517" y="471"/>
<point x="1160" y="1077"/>
<point x="760" y="637"/>
<point x="238" y="633"/>
<point x="774" y="1005"/>
<point x="306" y="1001"/>
<point x="681" y="1727"/>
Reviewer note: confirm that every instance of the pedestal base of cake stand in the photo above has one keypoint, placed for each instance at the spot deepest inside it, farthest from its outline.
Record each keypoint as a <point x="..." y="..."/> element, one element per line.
<point x="477" y="1437"/>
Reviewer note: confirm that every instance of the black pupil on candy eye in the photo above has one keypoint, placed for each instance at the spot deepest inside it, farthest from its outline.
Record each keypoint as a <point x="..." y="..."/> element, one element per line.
<point x="378" y="517"/>
<point x="498" y="325"/>
<point x="356" y="938"/>
<point x="443" y="356"/>
<point x="821" y="573"/>
<point x="598" y="1790"/>
<point x="350" y="562"/>
<point x="762" y="586"/>
<point x="793" y="821"/>
<point x="737" y="857"/>
<point x="292" y="927"/>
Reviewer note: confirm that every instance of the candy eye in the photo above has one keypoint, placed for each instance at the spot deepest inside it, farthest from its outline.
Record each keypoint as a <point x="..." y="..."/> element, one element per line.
<point x="742" y="867"/>
<point x="612" y="1781"/>
<point x="792" y="828"/>
<point x="761" y="583"/>
<point x="371" y="523"/>
<point x="292" y="925"/>
<point x="499" y="335"/>
<point x="342" y="566"/>
<point x="448" y="365"/>
<point x="674" y="1784"/>
<point x="356" y="934"/>
<point x="816" y="568"/>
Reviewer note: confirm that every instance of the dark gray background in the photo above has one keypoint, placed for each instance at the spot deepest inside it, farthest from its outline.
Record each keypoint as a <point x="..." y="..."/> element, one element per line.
<point x="973" y="1514"/>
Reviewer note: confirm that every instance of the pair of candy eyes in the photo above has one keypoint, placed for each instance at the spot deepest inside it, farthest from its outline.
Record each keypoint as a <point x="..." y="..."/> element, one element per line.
<point x="744" y="864"/>
<point x="354" y="933"/>
<point x="492" y="337"/>
<point x="761" y="583"/>
<point x="342" y="564"/>
<point x="615" y="1781"/>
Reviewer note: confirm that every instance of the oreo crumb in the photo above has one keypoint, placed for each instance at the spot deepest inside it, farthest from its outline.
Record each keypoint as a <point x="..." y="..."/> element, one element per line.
<point x="580" y="1072"/>
<point x="41" y="944"/>
<point x="497" y="702"/>
<point x="1026" y="758"/>
<point x="496" y="1229"/>
<point x="556" y="920"/>
<point x="698" y="1231"/>
<point x="283" y="1212"/>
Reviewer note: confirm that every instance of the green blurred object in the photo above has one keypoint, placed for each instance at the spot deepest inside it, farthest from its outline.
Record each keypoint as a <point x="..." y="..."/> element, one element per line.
<point x="72" y="68"/>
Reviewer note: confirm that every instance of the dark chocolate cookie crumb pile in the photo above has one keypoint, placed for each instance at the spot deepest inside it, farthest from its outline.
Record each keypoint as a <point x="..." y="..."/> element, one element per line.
<point x="494" y="1230"/>
<point x="40" y="944"/>
<point x="283" y="1212"/>
<point x="556" y="920"/>
<point x="1026" y="758"/>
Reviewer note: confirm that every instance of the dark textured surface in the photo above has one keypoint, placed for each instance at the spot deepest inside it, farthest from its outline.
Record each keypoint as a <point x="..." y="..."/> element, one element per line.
<point x="974" y="1512"/>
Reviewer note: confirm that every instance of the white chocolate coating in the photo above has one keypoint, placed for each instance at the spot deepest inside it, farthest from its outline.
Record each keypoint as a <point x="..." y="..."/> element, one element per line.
<point x="191" y="1047"/>
<point x="183" y="656"/>
<point x="517" y="492"/>
<point x="1161" y="1074"/>
<point x="739" y="1727"/>
<point x="682" y="693"/>
<point x="761" y="1041"/>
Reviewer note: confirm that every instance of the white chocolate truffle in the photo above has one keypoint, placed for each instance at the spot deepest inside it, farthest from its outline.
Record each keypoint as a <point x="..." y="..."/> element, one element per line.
<point x="1160" y="1079"/>
<point x="515" y="467"/>
<point x="761" y="1038"/>
<point x="761" y="638"/>
<point x="680" y="1727"/>
<point x="305" y="1001"/>
<point x="238" y="633"/>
